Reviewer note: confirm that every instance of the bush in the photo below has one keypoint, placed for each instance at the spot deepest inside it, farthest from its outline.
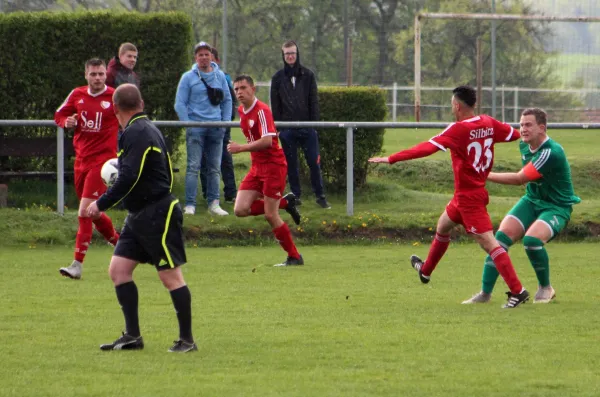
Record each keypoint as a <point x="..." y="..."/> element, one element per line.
<point x="43" y="56"/>
<point x="349" y="104"/>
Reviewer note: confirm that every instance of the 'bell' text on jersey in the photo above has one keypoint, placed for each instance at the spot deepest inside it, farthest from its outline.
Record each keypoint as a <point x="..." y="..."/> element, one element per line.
<point x="471" y="143"/>
<point x="555" y="185"/>
<point x="257" y="122"/>
<point x="95" y="138"/>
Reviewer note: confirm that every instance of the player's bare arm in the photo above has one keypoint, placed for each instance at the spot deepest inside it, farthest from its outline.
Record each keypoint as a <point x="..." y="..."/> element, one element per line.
<point x="263" y="143"/>
<point x="527" y="174"/>
<point x="385" y="160"/>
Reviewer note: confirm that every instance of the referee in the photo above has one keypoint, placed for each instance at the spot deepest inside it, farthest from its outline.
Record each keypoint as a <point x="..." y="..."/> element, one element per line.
<point x="153" y="227"/>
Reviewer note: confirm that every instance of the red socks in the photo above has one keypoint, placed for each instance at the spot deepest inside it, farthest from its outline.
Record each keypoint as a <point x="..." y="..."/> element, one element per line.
<point x="284" y="236"/>
<point x="105" y="226"/>
<point x="83" y="238"/>
<point x="506" y="269"/>
<point x="438" y="248"/>
<point x="258" y="207"/>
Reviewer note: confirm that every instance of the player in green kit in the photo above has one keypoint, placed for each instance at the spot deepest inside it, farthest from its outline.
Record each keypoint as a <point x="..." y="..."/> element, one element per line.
<point x="542" y="212"/>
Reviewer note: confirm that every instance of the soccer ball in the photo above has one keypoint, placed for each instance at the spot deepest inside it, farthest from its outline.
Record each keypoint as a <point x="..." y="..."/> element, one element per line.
<point x="110" y="171"/>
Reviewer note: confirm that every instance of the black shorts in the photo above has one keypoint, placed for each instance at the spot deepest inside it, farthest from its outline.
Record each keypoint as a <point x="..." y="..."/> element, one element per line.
<point x="154" y="234"/>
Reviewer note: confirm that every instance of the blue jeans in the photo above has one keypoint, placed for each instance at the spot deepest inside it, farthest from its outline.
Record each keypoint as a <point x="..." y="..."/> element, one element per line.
<point x="307" y="139"/>
<point x="199" y="142"/>
<point x="227" y="173"/>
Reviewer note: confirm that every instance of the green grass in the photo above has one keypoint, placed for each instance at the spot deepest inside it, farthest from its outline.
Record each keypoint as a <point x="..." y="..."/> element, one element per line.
<point x="399" y="202"/>
<point x="571" y="68"/>
<point x="355" y="321"/>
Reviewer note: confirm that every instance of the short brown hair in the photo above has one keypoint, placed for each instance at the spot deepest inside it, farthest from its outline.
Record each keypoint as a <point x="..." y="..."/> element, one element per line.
<point x="94" y="62"/>
<point x="128" y="98"/>
<point x="127" y="47"/>
<point x="215" y="53"/>
<point x="290" y="43"/>
<point x="246" y="77"/>
<point x="540" y="115"/>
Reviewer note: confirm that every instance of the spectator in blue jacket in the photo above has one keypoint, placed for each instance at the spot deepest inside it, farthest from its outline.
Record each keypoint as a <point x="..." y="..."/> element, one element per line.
<point x="227" y="172"/>
<point x="203" y="95"/>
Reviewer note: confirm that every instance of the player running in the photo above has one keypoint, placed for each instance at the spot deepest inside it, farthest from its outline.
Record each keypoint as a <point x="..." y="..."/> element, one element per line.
<point x="261" y="190"/>
<point x="89" y="109"/>
<point x="471" y="142"/>
<point x="542" y="212"/>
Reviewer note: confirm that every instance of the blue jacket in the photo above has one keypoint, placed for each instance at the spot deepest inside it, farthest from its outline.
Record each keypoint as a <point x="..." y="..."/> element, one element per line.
<point x="191" y="101"/>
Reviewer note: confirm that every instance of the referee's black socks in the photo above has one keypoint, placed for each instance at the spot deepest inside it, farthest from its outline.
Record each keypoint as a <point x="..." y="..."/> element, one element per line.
<point x="182" y="301"/>
<point x="127" y="294"/>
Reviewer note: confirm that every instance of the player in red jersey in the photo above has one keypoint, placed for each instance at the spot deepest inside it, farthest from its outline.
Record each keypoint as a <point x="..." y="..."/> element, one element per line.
<point x="261" y="191"/>
<point x="471" y="142"/>
<point x="89" y="109"/>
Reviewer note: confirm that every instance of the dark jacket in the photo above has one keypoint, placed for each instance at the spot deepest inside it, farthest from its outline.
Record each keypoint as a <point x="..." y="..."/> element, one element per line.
<point x="297" y="102"/>
<point x="145" y="174"/>
<point x="117" y="74"/>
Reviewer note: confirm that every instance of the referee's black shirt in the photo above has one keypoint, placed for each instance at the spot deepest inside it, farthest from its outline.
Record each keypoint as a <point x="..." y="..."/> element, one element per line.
<point x="145" y="174"/>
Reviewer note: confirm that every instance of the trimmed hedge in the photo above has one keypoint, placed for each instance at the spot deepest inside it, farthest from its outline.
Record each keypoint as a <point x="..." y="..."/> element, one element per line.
<point x="43" y="57"/>
<point x="349" y="104"/>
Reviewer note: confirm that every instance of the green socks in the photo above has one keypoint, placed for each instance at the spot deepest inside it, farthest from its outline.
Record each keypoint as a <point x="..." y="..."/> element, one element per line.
<point x="490" y="274"/>
<point x="538" y="256"/>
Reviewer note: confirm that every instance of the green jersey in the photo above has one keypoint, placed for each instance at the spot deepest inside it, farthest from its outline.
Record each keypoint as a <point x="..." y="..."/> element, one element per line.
<point x="555" y="186"/>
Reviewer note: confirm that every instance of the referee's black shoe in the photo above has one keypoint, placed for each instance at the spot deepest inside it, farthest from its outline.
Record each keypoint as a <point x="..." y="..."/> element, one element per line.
<point x="181" y="346"/>
<point x="515" y="300"/>
<point x="417" y="263"/>
<point x="292" y="207"/>
<point x="125" y="342"/>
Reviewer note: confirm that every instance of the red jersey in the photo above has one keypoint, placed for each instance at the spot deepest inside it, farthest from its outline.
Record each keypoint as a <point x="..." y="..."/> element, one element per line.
<point x="471" y="143"/>
<point x="95" y="139"/>
<point x="257" y="122"/>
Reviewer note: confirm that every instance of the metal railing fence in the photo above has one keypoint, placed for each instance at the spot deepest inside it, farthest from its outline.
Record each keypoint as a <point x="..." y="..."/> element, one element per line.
<point x="348" y="125"/>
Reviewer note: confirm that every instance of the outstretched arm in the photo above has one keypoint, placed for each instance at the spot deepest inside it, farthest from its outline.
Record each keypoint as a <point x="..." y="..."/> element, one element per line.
<point x="527" y="174"/>
<point x="423" y="149"/>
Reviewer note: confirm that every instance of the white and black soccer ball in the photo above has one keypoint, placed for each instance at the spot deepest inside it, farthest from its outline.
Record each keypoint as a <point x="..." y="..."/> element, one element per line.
<point x="110" y="171"/>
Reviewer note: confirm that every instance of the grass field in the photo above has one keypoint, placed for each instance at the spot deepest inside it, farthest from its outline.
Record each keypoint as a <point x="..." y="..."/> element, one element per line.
<point x="576" y="68"/>
<point x="405" y="197"/>
<point x="355" y="321"/>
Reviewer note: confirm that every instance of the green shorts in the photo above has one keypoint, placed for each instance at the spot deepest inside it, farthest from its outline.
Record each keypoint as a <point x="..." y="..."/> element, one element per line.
<point x="527" y="211"/>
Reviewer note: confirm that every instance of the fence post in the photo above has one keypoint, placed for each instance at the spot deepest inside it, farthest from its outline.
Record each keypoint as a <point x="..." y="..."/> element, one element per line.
<point x="349" y="171"/>
<point x="394" y="101"/>
<point x="503" y="113"/>
<point x="60" y="171"/>
<point x="516" y="105"/>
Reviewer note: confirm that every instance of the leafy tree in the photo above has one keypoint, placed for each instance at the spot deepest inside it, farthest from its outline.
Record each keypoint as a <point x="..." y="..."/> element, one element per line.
<point x="383" y="18"/>
<point x="448" y="51"/>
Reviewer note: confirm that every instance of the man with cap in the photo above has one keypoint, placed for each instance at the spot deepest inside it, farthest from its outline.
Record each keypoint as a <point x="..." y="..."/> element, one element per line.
<point x="203" y="95"/>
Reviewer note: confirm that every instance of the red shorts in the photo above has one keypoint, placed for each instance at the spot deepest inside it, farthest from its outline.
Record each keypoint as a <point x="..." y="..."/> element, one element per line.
<point x="469" y="210"/>
<point x="269" y="179"/>
<point x="89" y="184"/>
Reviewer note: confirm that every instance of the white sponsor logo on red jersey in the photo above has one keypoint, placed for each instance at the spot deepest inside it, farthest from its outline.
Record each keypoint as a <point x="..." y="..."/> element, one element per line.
<point x="92" y="125"/>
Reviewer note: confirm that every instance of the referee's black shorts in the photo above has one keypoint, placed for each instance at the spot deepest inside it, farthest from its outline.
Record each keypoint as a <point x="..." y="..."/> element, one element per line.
<point x="154" y="234"/>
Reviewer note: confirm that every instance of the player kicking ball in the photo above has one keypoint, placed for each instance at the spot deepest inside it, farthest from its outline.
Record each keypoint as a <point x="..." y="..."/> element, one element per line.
<point x="261" y="191"/>
<point x="471" y="142"/>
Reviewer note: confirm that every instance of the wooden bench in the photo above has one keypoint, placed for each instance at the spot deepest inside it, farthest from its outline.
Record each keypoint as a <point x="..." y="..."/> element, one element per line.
<point x="31" y="147"/>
